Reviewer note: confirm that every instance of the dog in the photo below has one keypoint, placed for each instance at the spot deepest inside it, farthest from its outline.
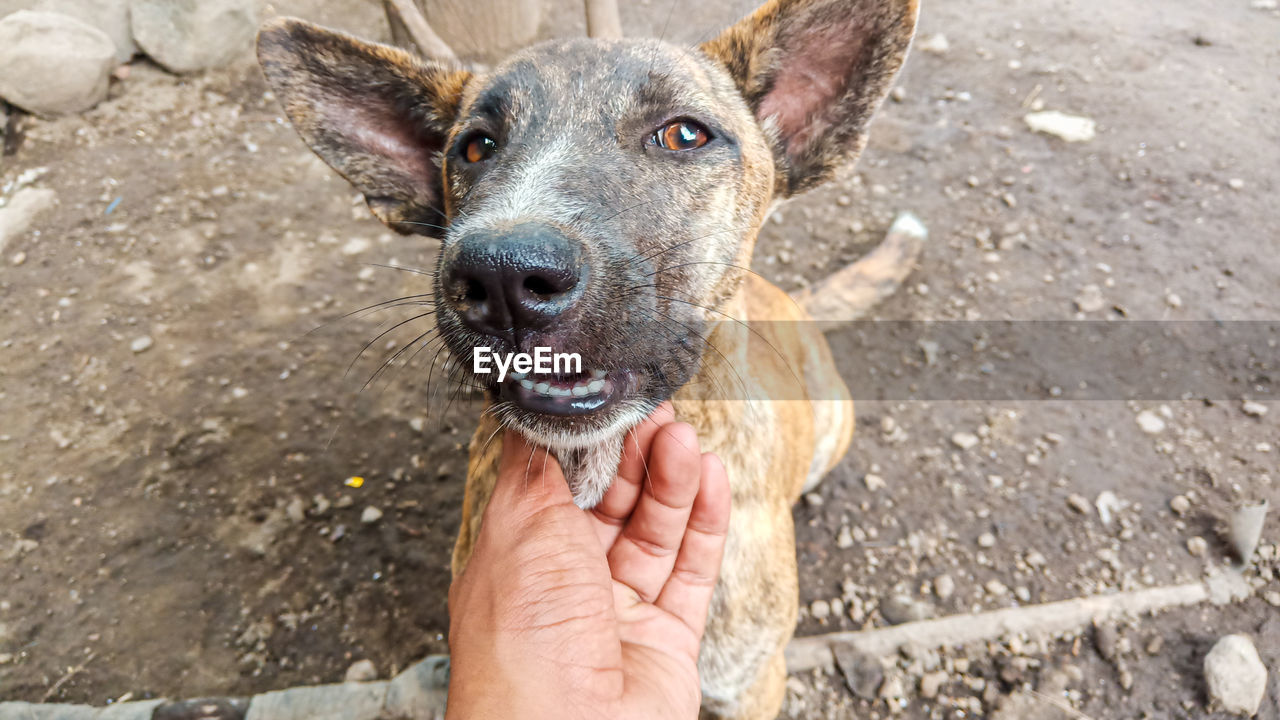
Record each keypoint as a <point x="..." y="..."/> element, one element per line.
<point x="603" y="197"/>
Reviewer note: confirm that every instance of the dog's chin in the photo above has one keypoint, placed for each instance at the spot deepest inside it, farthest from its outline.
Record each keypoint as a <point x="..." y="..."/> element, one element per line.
<point x="588" y="452"/>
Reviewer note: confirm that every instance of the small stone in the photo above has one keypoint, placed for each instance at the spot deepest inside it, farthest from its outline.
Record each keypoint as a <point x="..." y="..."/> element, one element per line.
<point x="370" y="515"/>
<point x="1235" y="184"/>
<point x="1173" y="301"/>
<point x="296" y="510"/>
<point x="900" y="609"/>
<point x="820" y="610"/>
<point x="813" y="499"/>
<point x="190" y="35"/>
<point x="1150" y="423"/>
<point x="1089" y="299"/>
<point x="1108" y="505"/>
<point x="1180" y="505"/>
<point x="6" y="658"/>
<point x="1071" y="128"/>
<point x="873" y="482"/>
<point x="1253" y="409"/>
<point x="964" y="440"/>
<point x="361" y="671"/>
<point x="931" y="683"/>
<point x="52" y="64"/>
<point x="18" y="258"/>
<point x="141" y="344"/>
<point x="986" y="540"/>
<point x="1080" y="504"/>
<point x="1197" y="546"/>
<point x="936" y="44"/>
<point x="844" y="539"/>
<point x="944" y="587"/>
<point x="898" y="94"/>
<point x="1264" y="5"/>
<point x="23" y="207"/>
<point x="863" y="673"/>
<point x="1236" y="677"/>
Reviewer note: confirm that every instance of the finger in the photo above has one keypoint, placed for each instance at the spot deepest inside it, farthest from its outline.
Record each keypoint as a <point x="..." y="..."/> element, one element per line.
<point x="529" y="479"/>
<point x="645" y="551"/>
<point x="687" y="593"/>
<point x="620" y="499"/>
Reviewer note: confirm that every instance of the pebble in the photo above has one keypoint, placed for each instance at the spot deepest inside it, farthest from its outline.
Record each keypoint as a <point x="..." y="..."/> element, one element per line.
<point x="370" y="515"/>
<point x="1173" y="301"/>
<point x="944" y="587"/>
<point x="1080" y="504"/>
<point x="1107" y="505"/>
<point x="189" y="35"/>
<point x="863" y="673"/>
<point x="873" y="482"/>
<point x="1253" y="409"/>
<point x="898" y="94"/>
<point x="936" y="44"/>
<point x="1089" y="299"/>
<point x="1235" y="184"/>
<point x="1264" y="5"/>
<point x="1071" y="128"/>
<point x="1236" y="677"/>
<point x="1180" y="505"/>
<point x="1150" y="423"/>
<point x="361" y="671"/>
<point x="844" y="539"/>
<point x="931" y="683"/>
<point x="820" y="610"/>
<point x="813" y="499"/>
<point x="964" y="440"/>
<point x="141" y="344"/>
<point x="1197" y="546"/>
<point x="21" y="210"/>
<point x="52" y="64"/>
<point x="900" y="609"/>
<point x="986" y="540"/>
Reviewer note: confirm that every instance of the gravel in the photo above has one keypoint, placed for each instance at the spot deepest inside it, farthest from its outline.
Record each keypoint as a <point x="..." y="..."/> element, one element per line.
<point x="1235" y="675"/>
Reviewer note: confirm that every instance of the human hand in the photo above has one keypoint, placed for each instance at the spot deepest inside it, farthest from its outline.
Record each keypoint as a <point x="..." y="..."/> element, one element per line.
<point x="565" y="613"/>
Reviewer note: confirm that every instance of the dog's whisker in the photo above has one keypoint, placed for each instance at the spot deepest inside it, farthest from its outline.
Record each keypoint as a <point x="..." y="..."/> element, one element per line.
<point x="381" y="335"/>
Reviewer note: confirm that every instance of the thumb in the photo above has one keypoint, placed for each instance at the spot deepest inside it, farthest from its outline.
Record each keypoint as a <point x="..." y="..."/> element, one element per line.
<point x="529" y="480"/>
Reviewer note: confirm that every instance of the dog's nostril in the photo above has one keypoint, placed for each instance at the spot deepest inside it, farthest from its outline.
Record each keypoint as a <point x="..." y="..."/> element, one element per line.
<point x="475" y="291"/>
<point x="540" y="286"/>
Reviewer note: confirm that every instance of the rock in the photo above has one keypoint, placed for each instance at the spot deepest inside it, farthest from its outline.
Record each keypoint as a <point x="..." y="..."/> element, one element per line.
<point x="1072" y="128"/>
<point x="1264" y="5"/>
<point x="1235" y="184"/>
<point x="1080" y="504"/>
<point x="1246" y="529"/>
<point x="986" y="540"/>
<point x="1089" y="299"/>
<point x="964" y="440"/>
<point x="931" y="683"/>
<point x="1253" y="409"/>
<point x="820" y="610"/>
<point x="844" y="538"/>
<point x="900" y="609"/>
<point x="936" y="44"/>
<point x="191" y="35"/>
<point x="813" y="499"/>
<point x="1150" y="423"/>
<point x="370" y="515"/>
<point x="1235" y="675"/>
<point x="1180" y="505"/>
<point x="873" y="482"/>
<point x="109" y="16"/>
<point x="22" y="209"/>
<point x="863" y="673"/>
<point x="52" y="64"/>
<point x="1197" y="546"/>
<point x="361" y="671"/>
<point x="1108" y="504"/>
<point x="141" y="344"/>
<point x="944" y="587"/>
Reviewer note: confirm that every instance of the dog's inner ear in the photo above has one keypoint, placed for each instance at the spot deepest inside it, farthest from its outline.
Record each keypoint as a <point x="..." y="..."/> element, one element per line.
<point x="814" y="72"/>
<point x="376" y="114"/>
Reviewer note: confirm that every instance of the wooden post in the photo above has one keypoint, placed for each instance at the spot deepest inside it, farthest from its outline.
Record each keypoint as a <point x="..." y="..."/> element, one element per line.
<point x="477" y="30"/>
<point x="603" y="20"/>
<point x="408" y="26"/>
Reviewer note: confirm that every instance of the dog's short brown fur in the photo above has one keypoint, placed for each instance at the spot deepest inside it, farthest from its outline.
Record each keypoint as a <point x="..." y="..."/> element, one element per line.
<point x="787" y="94"/>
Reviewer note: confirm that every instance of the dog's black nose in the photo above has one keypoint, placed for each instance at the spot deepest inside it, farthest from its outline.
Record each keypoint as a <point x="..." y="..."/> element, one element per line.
<point x="519" y="279"/>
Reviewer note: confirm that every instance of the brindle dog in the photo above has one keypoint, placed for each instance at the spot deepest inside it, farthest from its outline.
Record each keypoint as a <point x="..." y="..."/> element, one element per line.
<point x="603" y="198"/>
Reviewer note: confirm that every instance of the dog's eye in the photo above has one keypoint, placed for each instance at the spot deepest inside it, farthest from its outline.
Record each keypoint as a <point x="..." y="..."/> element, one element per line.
<point x="681" y="135"/>
<point x="480" y="148"/>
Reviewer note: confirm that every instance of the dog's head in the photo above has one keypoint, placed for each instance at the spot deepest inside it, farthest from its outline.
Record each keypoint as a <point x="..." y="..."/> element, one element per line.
<point x="593" y="197"/>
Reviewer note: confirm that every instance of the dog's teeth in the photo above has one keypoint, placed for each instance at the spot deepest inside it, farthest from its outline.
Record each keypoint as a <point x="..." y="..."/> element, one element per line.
<point x="542" y="388"/>
<point x="580" y="391"/>
<point x="527" y="384"/>
<point x="599" y="374"/>
<point x="517" y="375"/>
<point x="594" y="387"/>
<point x="559" y="392"/>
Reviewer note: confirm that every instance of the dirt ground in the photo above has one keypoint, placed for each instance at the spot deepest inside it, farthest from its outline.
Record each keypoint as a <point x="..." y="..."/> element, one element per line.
<point x="177" y="422"/>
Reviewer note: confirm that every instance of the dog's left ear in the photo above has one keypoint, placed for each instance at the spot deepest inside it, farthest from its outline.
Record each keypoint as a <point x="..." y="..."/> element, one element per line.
<point x="814" y="72"/>
<point x="376" y="114"/>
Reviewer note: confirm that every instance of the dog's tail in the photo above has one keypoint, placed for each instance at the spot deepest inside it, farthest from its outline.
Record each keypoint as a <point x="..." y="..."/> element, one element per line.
<point x="852" y="291"/>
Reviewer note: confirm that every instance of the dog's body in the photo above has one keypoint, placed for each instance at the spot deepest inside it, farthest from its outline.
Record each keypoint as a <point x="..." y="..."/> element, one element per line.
<point x="604" y="197"/>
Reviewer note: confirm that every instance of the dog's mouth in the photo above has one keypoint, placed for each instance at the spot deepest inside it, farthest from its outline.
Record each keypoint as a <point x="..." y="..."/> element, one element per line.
<point x="568" y="395"/>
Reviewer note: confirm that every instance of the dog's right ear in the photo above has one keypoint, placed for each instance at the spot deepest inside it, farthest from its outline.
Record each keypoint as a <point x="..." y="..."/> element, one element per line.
<point x="376" y="114"/>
